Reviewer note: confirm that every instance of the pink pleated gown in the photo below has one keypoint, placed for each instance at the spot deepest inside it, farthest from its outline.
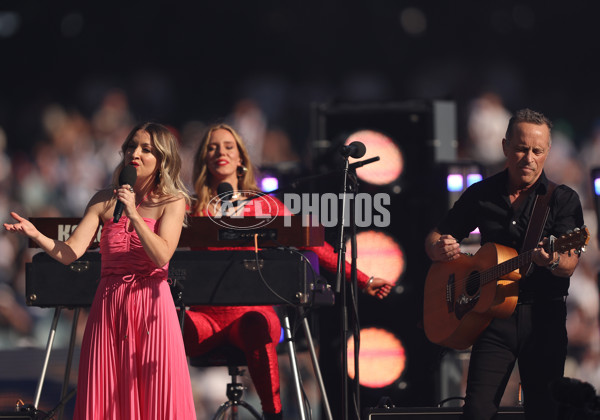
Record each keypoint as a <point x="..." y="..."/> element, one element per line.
<point x="133" y="364"/>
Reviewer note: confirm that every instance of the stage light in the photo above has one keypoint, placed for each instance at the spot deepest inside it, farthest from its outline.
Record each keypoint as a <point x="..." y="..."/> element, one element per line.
<point x="456" y="174"/>
<point x="269" y="183"/>
<point x="379" y="254"/>
<point x="391" y="164"/>
<point x="595" y="178"/>
<point x="455" y="182"/>
<point x="381" y="359"/>
<point x="473" y="178"/>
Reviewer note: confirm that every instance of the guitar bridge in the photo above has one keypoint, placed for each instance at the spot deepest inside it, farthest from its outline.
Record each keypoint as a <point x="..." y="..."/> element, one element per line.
<point x="464" y="304"/>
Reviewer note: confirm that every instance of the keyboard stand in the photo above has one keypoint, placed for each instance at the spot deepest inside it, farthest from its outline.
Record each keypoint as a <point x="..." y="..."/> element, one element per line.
<point x="50" y="343"/>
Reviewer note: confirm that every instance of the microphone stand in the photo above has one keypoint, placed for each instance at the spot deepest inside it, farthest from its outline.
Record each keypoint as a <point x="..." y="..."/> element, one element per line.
<point x="341" y="288"/>
<point x="327" y="175"/>
<point x="349" y="171"/>
<point x="354" y="300"/>
<point x="300" y="181"/>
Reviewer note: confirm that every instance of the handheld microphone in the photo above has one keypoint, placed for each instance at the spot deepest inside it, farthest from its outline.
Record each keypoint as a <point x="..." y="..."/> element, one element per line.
<point x="355" y="149"/>
<point x="128" y="175"/>
<point x="225" y="192"/>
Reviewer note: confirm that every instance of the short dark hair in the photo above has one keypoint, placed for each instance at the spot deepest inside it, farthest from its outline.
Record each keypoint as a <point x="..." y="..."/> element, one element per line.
<point x="528" y="116"/>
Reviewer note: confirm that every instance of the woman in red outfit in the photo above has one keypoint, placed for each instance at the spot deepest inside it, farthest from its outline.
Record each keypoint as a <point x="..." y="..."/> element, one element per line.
<point x="222" y="157"/>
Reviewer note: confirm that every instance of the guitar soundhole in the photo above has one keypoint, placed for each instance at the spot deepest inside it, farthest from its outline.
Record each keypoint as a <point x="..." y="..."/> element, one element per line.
<point x="472" y="286"/>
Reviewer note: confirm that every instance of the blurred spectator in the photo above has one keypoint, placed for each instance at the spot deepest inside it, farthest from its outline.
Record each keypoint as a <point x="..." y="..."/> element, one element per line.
<point x="79" y="171"/>
<point x="15" y="321"/>
<point x="590" y="158"/>
<point x="486" y="124"/>
<point x="5" y="164"/>
<point x="110" y="124"/>
<point x="590" y="149"/>
<point x="191" y="136"/>
<point x="250" y="121"/>
<point x="563" y="165"/>
<point x="277" y="151"/>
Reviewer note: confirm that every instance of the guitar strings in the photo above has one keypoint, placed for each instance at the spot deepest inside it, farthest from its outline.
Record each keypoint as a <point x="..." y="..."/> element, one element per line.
<point x="492" y="273"/>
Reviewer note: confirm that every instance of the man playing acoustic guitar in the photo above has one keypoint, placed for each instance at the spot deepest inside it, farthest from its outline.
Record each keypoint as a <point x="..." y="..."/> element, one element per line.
<point x="533" y="285"/>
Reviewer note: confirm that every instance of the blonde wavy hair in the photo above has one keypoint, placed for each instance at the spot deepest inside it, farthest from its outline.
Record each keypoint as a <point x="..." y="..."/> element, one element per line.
<point x="202" y="176"/>
<point x="165" y="148"/>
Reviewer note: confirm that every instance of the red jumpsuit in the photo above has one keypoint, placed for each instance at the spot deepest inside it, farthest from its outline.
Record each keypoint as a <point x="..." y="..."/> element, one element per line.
<point x="255" y="330"/>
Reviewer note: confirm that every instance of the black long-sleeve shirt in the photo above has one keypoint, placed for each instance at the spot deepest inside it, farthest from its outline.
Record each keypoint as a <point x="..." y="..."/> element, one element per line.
<point x="486" y="205"/>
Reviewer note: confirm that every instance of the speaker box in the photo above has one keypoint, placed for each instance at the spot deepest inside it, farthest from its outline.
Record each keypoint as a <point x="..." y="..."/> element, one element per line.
<point x="434" y="413"/>
<point x="424" y="132"/>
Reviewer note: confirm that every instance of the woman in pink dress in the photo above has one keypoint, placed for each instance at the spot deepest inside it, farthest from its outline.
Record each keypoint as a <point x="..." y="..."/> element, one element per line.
<point x="132" y="364"/>
<point x="222" y="158"/>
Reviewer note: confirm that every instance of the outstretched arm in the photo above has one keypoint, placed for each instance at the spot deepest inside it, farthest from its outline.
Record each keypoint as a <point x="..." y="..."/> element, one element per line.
<point x="378" y="287"/>
<point x="68" y="251"/>
<point x="374" y="286"/>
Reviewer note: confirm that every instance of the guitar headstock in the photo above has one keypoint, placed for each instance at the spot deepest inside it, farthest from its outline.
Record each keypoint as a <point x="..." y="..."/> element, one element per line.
<point x="577" y="240"/>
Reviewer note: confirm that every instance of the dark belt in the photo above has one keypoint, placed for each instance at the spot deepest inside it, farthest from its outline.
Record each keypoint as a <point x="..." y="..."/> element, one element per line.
<point x="543" y="300"/>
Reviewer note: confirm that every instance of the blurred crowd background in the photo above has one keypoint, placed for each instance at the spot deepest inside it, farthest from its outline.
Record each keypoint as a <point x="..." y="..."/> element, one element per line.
<point x="75" y="78"/>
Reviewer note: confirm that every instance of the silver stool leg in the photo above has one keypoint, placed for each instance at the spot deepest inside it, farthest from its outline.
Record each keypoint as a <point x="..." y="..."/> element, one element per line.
<point x="294" y="365"/>
<point x="316" y="368"/>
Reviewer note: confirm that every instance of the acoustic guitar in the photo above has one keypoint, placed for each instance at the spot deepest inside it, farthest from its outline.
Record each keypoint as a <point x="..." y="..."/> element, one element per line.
<point x="463" y="296"/>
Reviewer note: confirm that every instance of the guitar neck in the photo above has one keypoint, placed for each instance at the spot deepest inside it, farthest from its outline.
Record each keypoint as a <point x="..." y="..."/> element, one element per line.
<point x="502" y="269"/>
<point x="576" y="240"/>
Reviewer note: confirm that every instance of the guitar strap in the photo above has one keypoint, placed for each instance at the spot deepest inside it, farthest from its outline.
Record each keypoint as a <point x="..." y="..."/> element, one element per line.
<point x="539" y="215"/>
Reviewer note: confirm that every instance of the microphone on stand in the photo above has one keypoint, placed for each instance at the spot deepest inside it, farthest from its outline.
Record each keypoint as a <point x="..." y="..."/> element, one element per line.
<point x="362" y="163"/>
<point x="128" y="175"/>
<point x="356" y="149"/>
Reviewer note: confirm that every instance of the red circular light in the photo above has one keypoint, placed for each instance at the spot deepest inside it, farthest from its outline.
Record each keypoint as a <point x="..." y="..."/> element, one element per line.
<point x="391" y="163"/>
<point x="379" y="255"/>
<point x="381" y="358"/>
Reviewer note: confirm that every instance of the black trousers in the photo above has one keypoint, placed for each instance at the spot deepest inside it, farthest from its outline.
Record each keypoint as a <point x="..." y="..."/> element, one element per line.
<point x="536" y="335"/>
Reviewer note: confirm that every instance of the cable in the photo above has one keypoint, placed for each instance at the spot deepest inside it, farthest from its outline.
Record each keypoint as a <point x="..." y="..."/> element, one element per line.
<point x="298" y="317"/>
<point x="259" y="270"/>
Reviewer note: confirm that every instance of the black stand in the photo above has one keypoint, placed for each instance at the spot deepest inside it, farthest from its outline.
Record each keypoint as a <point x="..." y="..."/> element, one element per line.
<point x="60" y="406"/>
<point x="235" y="390"/>
<point x="341" y="288"/>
